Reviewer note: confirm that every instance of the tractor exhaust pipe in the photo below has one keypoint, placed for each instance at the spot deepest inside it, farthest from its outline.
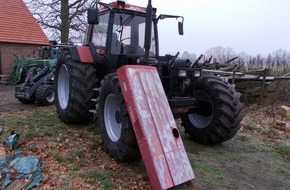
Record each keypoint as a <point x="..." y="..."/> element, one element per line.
<point x="148" y="30"/>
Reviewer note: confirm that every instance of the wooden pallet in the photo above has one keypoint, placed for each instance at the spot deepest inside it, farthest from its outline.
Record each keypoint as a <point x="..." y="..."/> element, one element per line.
<point x="4" y="79"/>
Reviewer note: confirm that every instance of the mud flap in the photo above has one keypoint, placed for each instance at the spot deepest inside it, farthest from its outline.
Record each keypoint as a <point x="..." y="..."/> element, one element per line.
<point x="159" y="141"/>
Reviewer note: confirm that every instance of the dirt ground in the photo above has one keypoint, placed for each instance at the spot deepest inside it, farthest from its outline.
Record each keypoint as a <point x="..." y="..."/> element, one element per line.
<point x="8" y="102"/>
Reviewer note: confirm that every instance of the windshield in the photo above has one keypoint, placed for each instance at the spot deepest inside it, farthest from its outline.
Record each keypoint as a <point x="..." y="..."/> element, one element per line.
<point x="129" y="34"/>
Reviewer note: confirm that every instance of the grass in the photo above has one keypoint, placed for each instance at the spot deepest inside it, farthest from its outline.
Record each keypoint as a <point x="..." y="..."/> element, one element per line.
<point x="244" y="137"/>
<point x="39" y="123"/>
<point x="94" y="176"/>
<point x="271" y="132"/>
<point x="70" y="145"/>
<point x="57" y="155"/>
<point x="283" y="148"/>
<point x="231" y="165"/>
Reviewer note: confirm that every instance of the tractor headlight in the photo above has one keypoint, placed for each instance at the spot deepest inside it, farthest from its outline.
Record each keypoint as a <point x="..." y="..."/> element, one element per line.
<point x="197" y="73"/>
<point x="182" y="73"/>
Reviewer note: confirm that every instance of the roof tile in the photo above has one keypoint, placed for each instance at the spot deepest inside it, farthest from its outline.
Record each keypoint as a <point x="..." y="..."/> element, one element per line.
<point x="18" y="25"/>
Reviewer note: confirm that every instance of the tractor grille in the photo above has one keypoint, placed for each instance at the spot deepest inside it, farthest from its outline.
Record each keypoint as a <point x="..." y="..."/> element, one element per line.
<point x="138" y="130"/>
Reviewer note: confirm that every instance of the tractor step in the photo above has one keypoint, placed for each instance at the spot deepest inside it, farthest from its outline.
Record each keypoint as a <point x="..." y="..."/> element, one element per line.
<point x="159" y="141"/>
<point x="94" y="100"/>
<point x="93" y="111"/>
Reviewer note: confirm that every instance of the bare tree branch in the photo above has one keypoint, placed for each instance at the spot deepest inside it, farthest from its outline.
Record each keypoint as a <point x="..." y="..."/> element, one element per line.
<point x="48" y="15"/>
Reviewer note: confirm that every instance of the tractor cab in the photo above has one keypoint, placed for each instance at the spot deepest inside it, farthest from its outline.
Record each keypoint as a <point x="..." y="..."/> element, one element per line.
<point x="118" y="31"/>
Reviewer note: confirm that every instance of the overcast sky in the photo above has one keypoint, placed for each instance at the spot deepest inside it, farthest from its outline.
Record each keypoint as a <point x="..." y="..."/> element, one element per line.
<point x="252" y="26"/>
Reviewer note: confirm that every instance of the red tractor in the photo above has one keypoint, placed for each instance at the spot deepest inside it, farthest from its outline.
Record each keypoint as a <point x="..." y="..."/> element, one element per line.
<point x="123" y="34"/>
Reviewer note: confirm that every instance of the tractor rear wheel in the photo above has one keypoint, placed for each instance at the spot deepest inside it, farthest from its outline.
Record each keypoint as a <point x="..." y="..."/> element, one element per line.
<point x="74" y="89"/>
<point x="218" y="114"/>
<point x="45" y="95"/>
<point x="113" y="118"/>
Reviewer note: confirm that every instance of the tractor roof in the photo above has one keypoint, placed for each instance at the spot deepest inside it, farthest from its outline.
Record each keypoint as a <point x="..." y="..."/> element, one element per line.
<point x="125" y="6"/>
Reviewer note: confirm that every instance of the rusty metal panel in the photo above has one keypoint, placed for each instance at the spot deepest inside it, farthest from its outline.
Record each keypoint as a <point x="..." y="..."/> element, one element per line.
<point x="159" y="141"/>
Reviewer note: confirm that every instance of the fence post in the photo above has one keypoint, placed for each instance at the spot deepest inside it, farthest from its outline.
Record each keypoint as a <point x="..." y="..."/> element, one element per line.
<point x="265" y="71"/>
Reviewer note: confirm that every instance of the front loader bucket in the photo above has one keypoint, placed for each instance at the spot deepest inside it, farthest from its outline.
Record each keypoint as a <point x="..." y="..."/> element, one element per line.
<point x="159" y="141"/>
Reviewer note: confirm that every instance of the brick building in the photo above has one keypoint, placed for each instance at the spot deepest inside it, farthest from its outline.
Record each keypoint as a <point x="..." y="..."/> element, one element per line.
<point x="20" y="34"/>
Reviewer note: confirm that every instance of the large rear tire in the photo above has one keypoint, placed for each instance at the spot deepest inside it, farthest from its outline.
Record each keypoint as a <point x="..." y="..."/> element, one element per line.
<point x="218" y="114"/>
<point x="74" y="89"/>
<point x="113" y="118"/>
<point x="45" y="95"/>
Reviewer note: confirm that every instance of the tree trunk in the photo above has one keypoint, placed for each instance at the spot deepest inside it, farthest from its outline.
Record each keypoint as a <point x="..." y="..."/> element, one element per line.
<point x="64" y="21"/>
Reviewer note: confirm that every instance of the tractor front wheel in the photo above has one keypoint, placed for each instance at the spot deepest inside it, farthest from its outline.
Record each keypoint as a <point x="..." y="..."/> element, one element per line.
<point x="217" y="116"/>
<point x="45" y="95"/>
<point x="113" y="118"/>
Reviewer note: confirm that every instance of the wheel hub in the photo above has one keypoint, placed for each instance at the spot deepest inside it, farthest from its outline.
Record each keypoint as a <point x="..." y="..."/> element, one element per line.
<point x="50" y="96"/>
<point x="63" y="87"/>
<point x="202" y="115"/>
<point x="112" y="117"/>
<point x="118" y="116"/>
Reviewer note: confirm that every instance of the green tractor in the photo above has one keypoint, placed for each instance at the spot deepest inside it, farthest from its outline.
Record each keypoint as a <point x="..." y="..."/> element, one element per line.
<point x="36" y="76"/>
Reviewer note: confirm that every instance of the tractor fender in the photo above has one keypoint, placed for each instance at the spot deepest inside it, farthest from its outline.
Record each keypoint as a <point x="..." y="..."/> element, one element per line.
<point x="81" y="54"/>
<point x="86" y="54"/>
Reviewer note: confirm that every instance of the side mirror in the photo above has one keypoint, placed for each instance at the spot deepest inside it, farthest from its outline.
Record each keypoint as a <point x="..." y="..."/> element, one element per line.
<point x="180" y="23"/>
<point x="93" y="16"/>
<point x="180" y="28"/>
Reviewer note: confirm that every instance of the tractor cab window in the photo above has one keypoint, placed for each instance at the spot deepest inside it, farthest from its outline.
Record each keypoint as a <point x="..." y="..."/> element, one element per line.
<point x="128" y="35"/>
<point x="99" y="37"/>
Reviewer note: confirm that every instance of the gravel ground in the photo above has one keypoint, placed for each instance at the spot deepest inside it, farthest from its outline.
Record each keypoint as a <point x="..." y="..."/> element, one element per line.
<point x="9" y="103"/>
